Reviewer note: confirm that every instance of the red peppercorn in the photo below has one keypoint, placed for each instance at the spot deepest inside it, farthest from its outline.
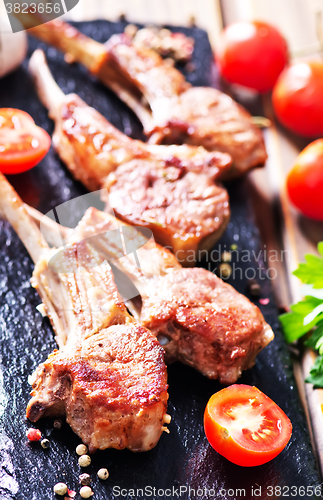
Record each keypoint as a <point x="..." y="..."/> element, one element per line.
<point x="33" y="434"/>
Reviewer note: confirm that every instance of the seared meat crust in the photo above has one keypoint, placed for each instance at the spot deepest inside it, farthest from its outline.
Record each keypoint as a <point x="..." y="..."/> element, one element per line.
<point x="205" y="323"/>
<point x="170" y="109"/>
<point x="199" y="320"/>
<point x="170" y="189"/>
<point x="109" y="377"/>
<point x="183" y="208"/>
<point x="111" y="388"/>
<point x="181" y="113"/>
<point x="207" y="117"/>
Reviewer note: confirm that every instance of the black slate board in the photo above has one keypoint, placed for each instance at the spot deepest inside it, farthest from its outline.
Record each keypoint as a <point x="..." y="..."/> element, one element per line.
<point x="184" y="458"/>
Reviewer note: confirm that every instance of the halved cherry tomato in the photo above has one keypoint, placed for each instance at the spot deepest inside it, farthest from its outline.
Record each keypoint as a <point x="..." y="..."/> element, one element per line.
<point x="22" y="143"/>
<point x="297" y="98"/>
<point x="245" y="426"/>
<point x="305" y="181"/>
<point x="252" y="53"/>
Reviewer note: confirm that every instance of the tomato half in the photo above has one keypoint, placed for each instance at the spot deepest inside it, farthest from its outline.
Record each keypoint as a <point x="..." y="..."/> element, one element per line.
<point x="22" y="143"/>
<point x="297" y="98"/>
<point x="245" y="426"/>
<point x="305" y="181"/>
<point x="252" y="54"/>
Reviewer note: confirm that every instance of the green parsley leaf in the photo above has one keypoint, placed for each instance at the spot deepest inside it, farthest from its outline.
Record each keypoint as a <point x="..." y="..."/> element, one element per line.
<point x="294" y="323"/>
<point x="311" y="272"/>
<point x="315" y="341"/>
<point x="316" y="374"/>
<point x="307" y="315"/>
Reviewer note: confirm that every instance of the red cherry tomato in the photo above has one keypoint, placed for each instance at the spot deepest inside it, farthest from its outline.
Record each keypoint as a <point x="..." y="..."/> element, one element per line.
<point x="252" y="54"/>
<point x="245" y="426"/>
<point x="22" y="143"/>
<point x="298" y="98"/>
<point x="305" y="181"/>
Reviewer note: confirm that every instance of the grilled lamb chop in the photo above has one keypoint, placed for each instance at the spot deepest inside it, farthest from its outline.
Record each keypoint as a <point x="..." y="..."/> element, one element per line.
<point x="199" y="320"/>
<point x="180" y="113"/>
<point x="169" y="189"/>
<point x="170" y="109"/>
<point x="108" y="377"/>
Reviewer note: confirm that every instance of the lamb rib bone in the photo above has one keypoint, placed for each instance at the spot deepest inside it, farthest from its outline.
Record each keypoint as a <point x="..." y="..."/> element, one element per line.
<point x="169" y="189"/>
<point x="108" y="377"/>
<point x="200" y="320"/>
<point x="171" y="110"/>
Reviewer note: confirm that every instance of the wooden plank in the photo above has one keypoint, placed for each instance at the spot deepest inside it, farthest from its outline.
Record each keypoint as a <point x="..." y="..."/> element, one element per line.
<point x="208" y="17"/>
<point x="296" y="19"/>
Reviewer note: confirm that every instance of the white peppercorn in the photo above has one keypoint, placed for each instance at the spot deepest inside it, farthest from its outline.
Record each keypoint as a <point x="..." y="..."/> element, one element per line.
<point x="84" y="461"/>
<point x="45" y="443"/>
<point x="86" y="492"/>
<point x="103" y="474"/>
<point x="60" y="489"/>
<point x="81" y="449"/>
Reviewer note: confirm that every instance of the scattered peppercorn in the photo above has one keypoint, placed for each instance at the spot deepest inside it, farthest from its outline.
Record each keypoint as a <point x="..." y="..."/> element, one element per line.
<point x="234" y="246"/>
<point x="81" y="449"/>
<point x="103" y="474"/>
<point x="85" y="479"/>
<point x="84" y="461"/>
<point x="86" y="492"/>
<point x="57" y="423"/>
<point x="33" y="434"/>
<point x="264" y="302"/>
<point x="254" y="288"/>
<point x="225" y="271"/>
<point x="60" y="489"/>
<point x="45" y="443"/>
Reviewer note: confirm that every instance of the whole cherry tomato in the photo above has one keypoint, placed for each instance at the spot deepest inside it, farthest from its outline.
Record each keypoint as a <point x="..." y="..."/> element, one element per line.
<point x="246" y="426"/>
<point x="298" y="98"/>
<point x="305" y="181"/>
<point x="22" y="143"/>
<point x="252" y="54"/>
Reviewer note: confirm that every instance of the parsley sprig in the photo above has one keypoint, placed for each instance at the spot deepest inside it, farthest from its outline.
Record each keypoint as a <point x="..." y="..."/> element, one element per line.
<point x="307" y="315"/>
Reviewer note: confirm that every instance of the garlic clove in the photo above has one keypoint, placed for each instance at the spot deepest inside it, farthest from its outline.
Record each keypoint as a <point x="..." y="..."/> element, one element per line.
<point x="13" y="47"/>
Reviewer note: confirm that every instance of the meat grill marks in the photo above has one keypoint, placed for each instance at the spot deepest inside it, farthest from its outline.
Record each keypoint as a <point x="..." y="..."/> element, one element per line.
<point x="169" y="189"/>
<point x="181" y="113"/>
<point x="200" y="320"/>
<point x="108" y="377"/>
<point x="170" y="109"/>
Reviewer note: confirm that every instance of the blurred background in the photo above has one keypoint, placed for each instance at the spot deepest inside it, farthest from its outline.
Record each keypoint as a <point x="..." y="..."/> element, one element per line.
<point x="298" y="20"/>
